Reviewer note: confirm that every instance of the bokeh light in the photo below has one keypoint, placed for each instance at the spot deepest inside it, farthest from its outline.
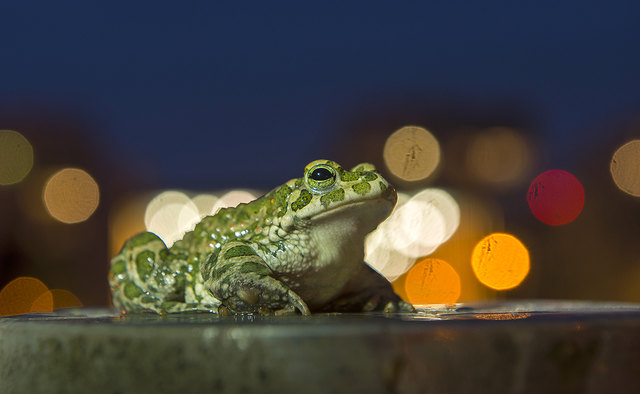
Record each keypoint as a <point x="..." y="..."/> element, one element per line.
<point x="71" y="195"/>
<point x="416" y="228"/>
<point x="438" y="204"/>
<point x="478" y="217"/>
<point x="18" y="296"/>
<point x="29" y="295"/>
<point x="233" y="198"/>
<point x="556" y="197"/>
<point x="55" y="299"/>
<point x="432" y="281"/>
<point x="42" y="304"/>
<point x="205" y="204"/>
<point x="502" y="315"/>
<point x="381" y="256"/>
<point x="498" y="155"/>
<point x="411" y="153"/>
<point x="625" y="168"/>
<point x="500" y="261"/>
<point x="126" y="219"/>
<point x="170" y="214"/>
<point x="16" y="157"/>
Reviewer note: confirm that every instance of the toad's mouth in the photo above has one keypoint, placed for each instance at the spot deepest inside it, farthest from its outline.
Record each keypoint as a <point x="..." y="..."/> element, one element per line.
<point x="370" y="210"/>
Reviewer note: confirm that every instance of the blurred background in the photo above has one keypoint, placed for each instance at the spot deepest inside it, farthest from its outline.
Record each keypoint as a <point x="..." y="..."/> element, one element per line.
<point x="519" y="170"/>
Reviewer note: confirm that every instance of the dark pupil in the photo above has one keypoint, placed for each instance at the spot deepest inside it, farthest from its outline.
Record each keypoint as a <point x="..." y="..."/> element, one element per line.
<point x="321" y="174"/>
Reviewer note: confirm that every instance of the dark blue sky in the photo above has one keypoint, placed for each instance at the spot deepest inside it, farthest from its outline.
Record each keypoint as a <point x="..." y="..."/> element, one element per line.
<point x="200" y="90"/>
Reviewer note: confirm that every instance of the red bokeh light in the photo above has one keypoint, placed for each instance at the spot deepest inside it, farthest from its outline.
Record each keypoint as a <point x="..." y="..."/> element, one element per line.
<point x="556" y="197"/>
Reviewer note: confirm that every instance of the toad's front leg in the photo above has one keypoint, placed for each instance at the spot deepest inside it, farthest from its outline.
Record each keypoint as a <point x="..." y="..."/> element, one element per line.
<point x="237" y="276"/>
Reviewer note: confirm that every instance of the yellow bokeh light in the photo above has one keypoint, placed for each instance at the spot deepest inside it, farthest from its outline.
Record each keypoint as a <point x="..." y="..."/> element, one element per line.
<point x="16" y="157"/>
<point x="71" y="195"/>
<point x="432" y="281"/>
<point x="18" y="296"/>
<point x="411" y="153"/>
<point x="499" y="155"/>
<point x="625" y="168"/>
<point x="500" y="261"/>
<point x="126" y="219"/>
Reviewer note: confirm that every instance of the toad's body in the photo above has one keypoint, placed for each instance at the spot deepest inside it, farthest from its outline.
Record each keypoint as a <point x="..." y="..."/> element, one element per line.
<point x="299" y="247"/>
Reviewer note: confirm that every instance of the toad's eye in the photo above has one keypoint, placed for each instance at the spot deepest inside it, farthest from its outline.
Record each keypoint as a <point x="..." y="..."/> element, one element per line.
<point x="321" y="177"/>
<point x="321" y="174"/>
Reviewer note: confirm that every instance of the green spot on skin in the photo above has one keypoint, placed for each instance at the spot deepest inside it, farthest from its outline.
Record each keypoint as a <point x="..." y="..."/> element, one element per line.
<point x="141" y="239"/>
<point x="282" y="211"/>
<point x="362" y="167"/>
<point x="213" y="257"/>
<point x="118" y="267"/>
<point x="242" y="215"/>
<point x="240" y="250"/>
<point x="254" y="267"/>
<point x="282" y="194"/>
<point x="144" y="264"/>
<point x="383" y="186"/>
<point x="210" y="264"/>
<point x="302" y="201"/>
<point x="168" y="305"/>
<point x="281" y="199"/>
<point x="334" y="196"/>
<point x="132" y="291"/>
<point x="348" y="176"/>
<point x="369" y="176"/>
<point x="221" y="270"/>
<point x="362" y="188"/>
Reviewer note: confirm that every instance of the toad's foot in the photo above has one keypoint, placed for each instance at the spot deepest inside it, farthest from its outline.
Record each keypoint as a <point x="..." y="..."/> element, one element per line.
<point x="368" y="302"/>
<point x="243" y="282"/>
<point x="368" y="291"/>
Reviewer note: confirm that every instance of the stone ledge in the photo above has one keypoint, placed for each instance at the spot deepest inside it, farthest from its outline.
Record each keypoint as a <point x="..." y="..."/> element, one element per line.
<point x="515" y="347"/>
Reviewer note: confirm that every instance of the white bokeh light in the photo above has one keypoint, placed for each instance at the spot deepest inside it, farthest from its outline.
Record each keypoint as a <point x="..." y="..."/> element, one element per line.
<point x="205" y="204"/>
<point x="415" y="229"/>
<point x="169" y="215"/>
<point x="233" y="198"/>
<point x="441" y="219"/>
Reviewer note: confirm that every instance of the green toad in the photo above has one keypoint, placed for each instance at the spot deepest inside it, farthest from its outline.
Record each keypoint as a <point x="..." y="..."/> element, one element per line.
<point x="298" y="248"/>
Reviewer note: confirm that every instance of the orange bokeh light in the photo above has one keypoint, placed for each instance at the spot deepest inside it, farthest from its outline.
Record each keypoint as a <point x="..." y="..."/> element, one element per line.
<point x="42" y="304"/>
<point x="55" y="299"/>
<point x="502" y="316"/>
<point x="64" y="299"/>
<point x="71" y="195"/>
<point x="18" y="296"/>
<point x="500" y="261"/>
<point x="29" y="295"/>
<point x="432" y="281"/>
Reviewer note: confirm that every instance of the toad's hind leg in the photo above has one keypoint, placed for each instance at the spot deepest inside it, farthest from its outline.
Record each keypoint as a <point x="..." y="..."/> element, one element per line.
<point x="146" y="276"/>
